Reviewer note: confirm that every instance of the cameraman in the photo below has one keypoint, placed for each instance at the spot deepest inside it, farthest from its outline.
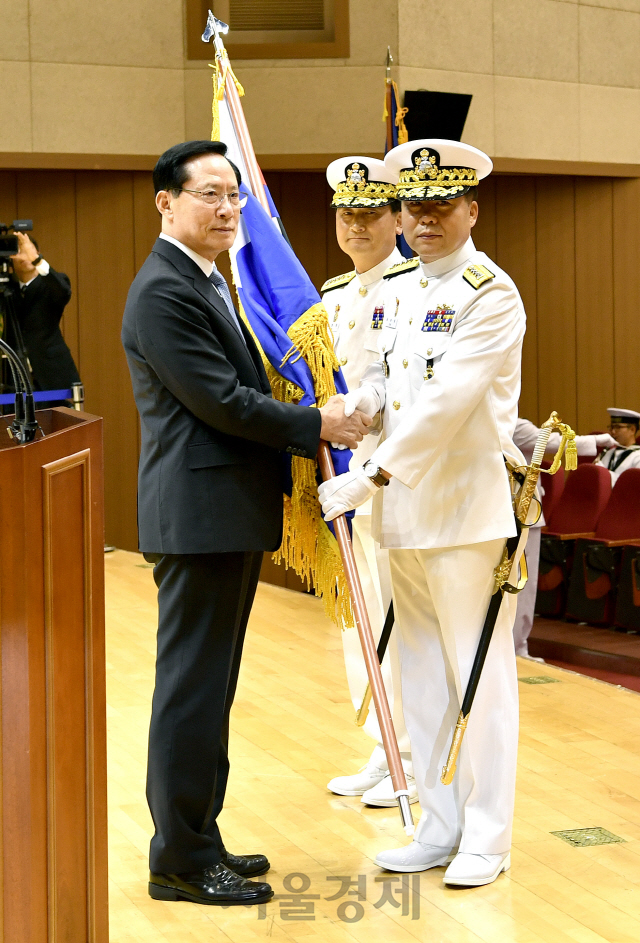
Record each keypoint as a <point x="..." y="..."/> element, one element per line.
<point x="39" y="304"/>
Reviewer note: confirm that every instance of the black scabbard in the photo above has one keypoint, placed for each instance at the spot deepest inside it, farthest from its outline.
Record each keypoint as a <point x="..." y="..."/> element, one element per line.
<point x="485" y="638"/>
<point x="385" y="635"/>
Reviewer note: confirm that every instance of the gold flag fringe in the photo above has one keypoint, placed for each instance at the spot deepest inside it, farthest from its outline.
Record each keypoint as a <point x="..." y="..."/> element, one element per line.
<point x="308" y="547"/>
<point x="311" y="340"/>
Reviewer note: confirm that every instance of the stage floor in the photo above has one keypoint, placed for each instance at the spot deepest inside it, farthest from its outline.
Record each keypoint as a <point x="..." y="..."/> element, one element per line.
<point x="293" y="729"/>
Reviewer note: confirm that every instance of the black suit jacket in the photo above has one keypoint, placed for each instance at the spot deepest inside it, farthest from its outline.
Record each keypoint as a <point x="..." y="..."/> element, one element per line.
<point x="39" y="309"/>
<point x="210" y="475"/>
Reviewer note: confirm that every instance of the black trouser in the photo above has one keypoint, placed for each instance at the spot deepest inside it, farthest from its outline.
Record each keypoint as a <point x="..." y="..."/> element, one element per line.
<point x="204" y="601"/>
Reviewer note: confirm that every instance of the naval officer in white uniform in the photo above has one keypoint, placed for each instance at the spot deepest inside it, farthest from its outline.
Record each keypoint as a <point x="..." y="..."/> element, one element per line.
<point x="623" y="426"/>
<point x="448" y="383"/>
<point x="367" y="224"/>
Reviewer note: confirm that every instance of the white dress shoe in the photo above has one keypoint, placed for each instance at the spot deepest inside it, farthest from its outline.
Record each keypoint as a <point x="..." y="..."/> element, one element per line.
<point x="474" y="870"/>
<point x="383" y="793"/>
<point x="414" y="857"/>
<point x="367" y="776"/>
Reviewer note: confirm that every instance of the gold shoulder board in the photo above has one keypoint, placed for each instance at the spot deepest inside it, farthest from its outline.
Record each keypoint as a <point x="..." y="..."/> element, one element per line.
<point x="338" y="281"/>
<point x="401" y="267"/>
<point x="477" y="275"/>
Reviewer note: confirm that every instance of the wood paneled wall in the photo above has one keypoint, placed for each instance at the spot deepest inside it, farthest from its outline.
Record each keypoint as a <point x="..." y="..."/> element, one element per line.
<point x="571" y="244"/>
<point x="98" y="227"/>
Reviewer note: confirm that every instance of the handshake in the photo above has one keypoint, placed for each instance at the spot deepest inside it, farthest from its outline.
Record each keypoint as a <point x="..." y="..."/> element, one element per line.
<point x="345" y="419"/>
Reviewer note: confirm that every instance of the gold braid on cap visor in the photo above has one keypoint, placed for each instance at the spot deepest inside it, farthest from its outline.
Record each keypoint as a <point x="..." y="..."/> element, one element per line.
<point x="363" y="194"/>
<point x="444" y="182"/>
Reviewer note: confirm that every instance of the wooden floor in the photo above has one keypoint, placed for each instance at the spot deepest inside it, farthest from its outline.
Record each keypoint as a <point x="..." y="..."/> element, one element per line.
<point x="292" y="730"/>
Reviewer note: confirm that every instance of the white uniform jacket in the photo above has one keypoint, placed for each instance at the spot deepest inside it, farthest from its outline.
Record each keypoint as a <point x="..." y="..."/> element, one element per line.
<point x="450" y="373"/>
<point x="620" y="459"/>
<point x="354" y="306"/>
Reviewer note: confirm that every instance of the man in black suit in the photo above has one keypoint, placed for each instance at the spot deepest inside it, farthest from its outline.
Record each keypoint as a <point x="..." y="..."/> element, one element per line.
<point x="209" y="503"/>
<point x="39" y="306"/>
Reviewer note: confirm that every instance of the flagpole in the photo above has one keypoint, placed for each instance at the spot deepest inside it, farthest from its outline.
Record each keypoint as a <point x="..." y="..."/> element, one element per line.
<point x="388" y="100"/>
<point x="370" y="653"/>
<point x="213" y="30"/>
<point x="244" y="138"/>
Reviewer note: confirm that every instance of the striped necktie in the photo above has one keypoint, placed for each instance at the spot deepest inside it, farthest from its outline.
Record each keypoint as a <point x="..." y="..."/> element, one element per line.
<point x="219" y="283"/>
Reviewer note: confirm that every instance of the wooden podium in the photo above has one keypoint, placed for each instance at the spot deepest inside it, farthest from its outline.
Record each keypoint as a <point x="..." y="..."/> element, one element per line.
<point x="53" y="800"/>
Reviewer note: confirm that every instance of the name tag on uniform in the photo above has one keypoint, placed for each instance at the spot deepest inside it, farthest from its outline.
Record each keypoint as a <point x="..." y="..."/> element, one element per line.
<point x="439" y="319"/>
<point x="392" y="320"/>
<point x="377" y="318"/>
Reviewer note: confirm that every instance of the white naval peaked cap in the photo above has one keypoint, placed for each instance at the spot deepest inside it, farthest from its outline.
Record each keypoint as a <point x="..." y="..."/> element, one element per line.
<point x="361" y="181"/>
<point x="435" y="169"/>
<point x="623" y="413"/>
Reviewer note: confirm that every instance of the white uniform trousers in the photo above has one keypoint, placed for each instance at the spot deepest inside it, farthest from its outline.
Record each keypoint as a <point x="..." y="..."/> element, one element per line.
<point x="441" y="598"/>
<point x="527" y="598"/>
<point x="373" y="568"/>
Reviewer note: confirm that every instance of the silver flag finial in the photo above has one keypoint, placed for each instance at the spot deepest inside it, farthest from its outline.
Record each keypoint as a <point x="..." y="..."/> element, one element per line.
<point x="214" y="28"/>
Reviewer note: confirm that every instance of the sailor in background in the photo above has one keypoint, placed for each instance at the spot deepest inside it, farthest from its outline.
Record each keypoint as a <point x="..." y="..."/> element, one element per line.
<point x="367" y="223"/>
<point x="448" y="381"/>
<point x="623" y="426"/>
<point x="525" y="438"/>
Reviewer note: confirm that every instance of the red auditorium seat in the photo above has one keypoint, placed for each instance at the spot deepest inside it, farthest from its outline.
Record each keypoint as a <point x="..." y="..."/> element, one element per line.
<point x="574" y="516"/>
<point x="597" y="563"/>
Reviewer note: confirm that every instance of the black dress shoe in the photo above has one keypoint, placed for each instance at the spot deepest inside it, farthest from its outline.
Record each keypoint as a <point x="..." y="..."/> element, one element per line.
<point x="247" y="866"/>
<point x="217" y="885"/>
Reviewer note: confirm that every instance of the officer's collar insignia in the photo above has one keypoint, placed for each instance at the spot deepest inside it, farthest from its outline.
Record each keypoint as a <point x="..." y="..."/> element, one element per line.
<point x="477" y="275"/>
<point x="338" y="281"/>
<point x="401" y="267"/>
<point x="357" y="190"/>
<point x="439" y="319"/>
<point x="377" y="318"/>
<point x="427" y="180"/>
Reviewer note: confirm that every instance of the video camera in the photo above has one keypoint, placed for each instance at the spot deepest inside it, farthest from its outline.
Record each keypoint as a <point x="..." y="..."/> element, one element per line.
<point x="9" y="243"/>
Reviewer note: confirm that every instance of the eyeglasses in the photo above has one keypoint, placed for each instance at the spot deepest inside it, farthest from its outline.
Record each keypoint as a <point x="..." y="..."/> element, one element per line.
<point x="213" y="198"/>
<point x="620" y="425"/>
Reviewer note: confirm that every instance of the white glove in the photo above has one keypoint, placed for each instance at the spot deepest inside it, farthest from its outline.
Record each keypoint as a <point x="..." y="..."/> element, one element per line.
<point x="345" y="492"/>
<point x="365" y="398"/>
<point x="603" y="441"/>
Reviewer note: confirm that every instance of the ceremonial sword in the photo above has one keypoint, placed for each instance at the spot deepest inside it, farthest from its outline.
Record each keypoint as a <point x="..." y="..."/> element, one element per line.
<point x="363" y="711"/>
<point x="511" y="573"/>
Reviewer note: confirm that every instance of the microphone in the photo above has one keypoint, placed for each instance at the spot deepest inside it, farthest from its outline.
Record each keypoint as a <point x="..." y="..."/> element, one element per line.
<point x="24" y="426"/>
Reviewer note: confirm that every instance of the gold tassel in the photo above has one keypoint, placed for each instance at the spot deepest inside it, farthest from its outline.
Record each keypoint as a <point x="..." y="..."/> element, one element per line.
<point x="571" y="455"/>
<point x="403" y="134"/>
